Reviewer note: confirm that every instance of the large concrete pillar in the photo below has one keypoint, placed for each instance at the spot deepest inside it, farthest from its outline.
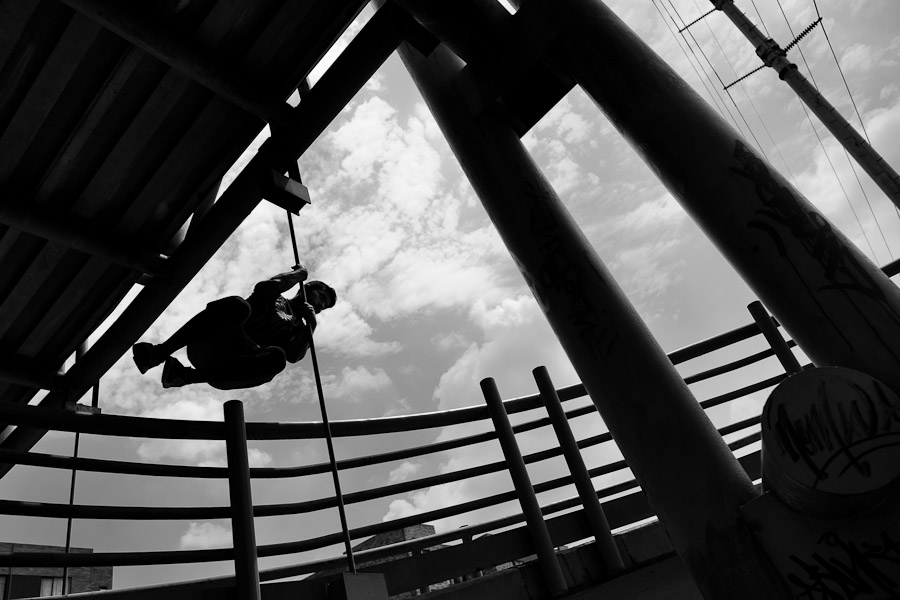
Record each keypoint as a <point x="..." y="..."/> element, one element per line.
<point x="691" y="478"/>
<point x="838" y="306"/>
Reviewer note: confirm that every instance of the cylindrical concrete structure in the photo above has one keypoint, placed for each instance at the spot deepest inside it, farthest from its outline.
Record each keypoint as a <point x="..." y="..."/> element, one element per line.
<point x="608" y="552"/>
<point x="839" y="307"/>
<point x="515" y="464"/>
<point x="691" y="478"/>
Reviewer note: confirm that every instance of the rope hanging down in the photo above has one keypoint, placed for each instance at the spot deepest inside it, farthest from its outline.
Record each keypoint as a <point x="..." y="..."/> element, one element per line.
<point x="294" y="173"/>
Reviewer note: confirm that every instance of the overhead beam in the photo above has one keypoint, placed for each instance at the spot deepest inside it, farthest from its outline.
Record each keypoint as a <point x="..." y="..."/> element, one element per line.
<point x="360" y="59"/>
<point x="350" y="72"/>
<point x="78" y="235"/>
<point x="30" y="373"/>
<point x="183" y="55"/>
<point x="510" y="59"/>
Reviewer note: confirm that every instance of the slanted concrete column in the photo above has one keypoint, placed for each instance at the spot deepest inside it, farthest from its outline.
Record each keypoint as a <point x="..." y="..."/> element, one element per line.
<point x="692" y="480"/>
<point x="838" y="306"/>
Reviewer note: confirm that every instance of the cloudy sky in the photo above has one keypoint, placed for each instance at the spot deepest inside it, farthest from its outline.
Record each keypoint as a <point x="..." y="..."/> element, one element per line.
<point x="430" y="302"/>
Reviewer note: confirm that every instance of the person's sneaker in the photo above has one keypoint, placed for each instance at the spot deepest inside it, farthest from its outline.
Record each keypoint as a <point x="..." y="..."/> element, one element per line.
<point x="146" y="356"/>
<point x="174" y="374"/>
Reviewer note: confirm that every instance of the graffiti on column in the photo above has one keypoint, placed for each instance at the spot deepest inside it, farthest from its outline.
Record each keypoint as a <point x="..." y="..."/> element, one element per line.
<point x="566" y="275"/>
<point x="786" y="222"/>
<point x="831" y="440"/>
<point x="831" y="460"/>
<point x="844" y="568"/>
<point x="838" y="433"/>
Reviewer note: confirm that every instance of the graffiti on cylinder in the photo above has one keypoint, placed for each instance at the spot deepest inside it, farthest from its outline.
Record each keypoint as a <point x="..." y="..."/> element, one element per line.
<point x="856" y="557"/>
<point x="839" y="567"/>
<point x="566" y="275"/>
<point x="838" y="433"/>
<point x="831" y="440"/>
<point x="787" y="222"/>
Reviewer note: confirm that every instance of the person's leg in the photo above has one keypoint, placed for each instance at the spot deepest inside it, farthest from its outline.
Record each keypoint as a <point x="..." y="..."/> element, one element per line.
<point x="249" y="370"/>
<point x="223" y="313"/>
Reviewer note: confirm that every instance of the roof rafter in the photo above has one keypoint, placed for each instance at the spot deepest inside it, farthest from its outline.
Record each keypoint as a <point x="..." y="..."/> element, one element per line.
<point x="349" y="73"/>
<point x="77" y="235"/>
<point x="182" y="55"/>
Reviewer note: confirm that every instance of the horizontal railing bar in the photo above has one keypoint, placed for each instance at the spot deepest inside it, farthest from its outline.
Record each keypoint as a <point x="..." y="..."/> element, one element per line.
<point x="133" y="468"/>
<point x="148" y="427"/>
<point x="114" y="425"/>
<point x="20" y="559"/>
<point x="113" y="559"/>
<point x="892" y="268"/>
<point x="744" y="391"/>
<point x="734" y="366"/>
<point x="96" y="465"/>
<point x="716" y="342"/>
<point x="98" y="512"/>
<point x="750" y="422"/>
<point x="745" y="441"/>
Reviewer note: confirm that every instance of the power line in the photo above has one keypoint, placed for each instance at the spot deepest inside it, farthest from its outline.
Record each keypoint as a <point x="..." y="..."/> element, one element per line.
<point x="711" y="67"/>
<point x="759" y="16"/>
<point x="714" y="95"/>
<point x="731" y="66"/>
<point x="844" y="79"/>
<point x="862" y="189"/>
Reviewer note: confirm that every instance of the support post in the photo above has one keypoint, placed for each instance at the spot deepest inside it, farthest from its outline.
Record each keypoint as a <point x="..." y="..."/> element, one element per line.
<point x="839" y="307"/>
<point x="610" y="559"/>
<point x="243" y="532"/>
<point x="692" y="480"/>
<point x="537" y="528"/>
<point x="884" y="176"/>
<point x="767" y="326"/>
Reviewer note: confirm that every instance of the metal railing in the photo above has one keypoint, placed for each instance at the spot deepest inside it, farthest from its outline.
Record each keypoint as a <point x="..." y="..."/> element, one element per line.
<point x="623" y="501"/>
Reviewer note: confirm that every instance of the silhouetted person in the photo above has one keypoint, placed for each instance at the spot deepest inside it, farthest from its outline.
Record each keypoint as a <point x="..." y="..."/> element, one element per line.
<point x="241" y="343"/>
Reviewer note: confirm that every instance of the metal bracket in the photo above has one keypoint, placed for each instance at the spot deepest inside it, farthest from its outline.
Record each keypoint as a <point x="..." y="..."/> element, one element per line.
<point x="283" y="191"/>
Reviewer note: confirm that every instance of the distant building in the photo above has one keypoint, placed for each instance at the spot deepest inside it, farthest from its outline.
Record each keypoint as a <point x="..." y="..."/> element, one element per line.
<point x="411" y="533"/>
<point x="29" y="582"/>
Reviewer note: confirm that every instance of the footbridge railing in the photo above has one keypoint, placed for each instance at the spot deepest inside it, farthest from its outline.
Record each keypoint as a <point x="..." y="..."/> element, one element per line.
<point x="730" y="374"/>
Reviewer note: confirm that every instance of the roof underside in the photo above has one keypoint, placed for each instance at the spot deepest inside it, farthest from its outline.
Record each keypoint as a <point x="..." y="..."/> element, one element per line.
<point x="117" y="122"/>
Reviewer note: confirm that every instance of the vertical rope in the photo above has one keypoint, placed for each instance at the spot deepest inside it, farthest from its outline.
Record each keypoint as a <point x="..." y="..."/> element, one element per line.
<point x="95" y="402"/>
<point x="328" y="439"/>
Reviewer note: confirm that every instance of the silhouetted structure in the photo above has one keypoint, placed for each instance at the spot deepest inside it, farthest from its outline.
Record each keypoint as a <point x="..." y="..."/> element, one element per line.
<point x="27" y="582"/>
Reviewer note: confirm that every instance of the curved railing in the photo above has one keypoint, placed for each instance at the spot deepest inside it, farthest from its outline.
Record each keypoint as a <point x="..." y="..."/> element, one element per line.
<point x="624" y="504"/>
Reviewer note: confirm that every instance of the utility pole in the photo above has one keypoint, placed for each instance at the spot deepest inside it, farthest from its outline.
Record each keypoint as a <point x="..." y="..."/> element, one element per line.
<point x="885" y="177"/>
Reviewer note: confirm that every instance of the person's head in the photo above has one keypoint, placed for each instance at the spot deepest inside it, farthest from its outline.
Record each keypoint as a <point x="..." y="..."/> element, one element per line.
<point x="319" y="295"/>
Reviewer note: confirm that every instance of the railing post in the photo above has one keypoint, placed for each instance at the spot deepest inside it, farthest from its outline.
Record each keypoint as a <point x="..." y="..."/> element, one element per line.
<point x="610" y="560"/>
<point x="773" y="336"/>
<point x="243" y="533"/>
<point x="537" y="528"/>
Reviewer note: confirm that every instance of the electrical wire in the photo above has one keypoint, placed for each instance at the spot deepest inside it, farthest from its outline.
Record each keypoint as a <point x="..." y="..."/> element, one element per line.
<point x="759" y="16"/>
<point x="861" y="124"/>
<point x="759" y="146"/>
<point x="841" y="71"/>
<point x="712" y="95"/>
<point x="711" y="67"/>
<point x="850" y="161"/>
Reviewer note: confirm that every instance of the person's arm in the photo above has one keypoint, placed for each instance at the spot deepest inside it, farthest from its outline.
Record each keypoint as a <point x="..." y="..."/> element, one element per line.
<point x="300" y="342"/>
<point x="281" y="282"/>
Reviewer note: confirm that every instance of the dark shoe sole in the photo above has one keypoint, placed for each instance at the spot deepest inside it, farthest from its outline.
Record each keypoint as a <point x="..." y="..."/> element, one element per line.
<point x="172" y="375"/>
<point x="142" y="352"/>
